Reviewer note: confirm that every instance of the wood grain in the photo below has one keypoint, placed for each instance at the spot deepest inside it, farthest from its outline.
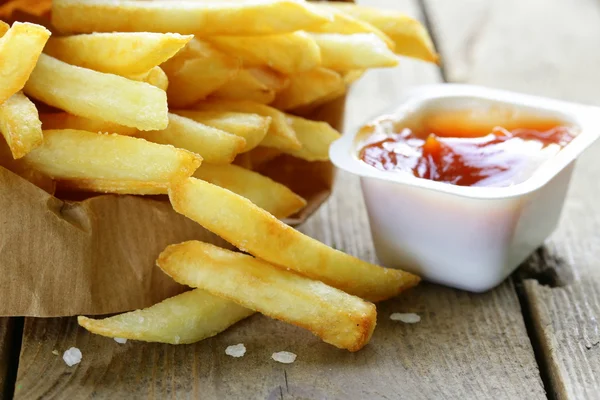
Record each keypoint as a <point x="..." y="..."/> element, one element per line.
<point x="547" y="48"/>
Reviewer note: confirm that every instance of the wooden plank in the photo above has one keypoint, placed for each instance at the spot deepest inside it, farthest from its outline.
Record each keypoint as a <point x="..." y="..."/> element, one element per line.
<point x="7" y="328"/>
<point x="466" y="345"/>
<point x="526" y="46"/>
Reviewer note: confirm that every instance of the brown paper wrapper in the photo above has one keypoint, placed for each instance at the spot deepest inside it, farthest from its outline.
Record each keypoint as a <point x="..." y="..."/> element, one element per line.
<point x="97" y="256"/>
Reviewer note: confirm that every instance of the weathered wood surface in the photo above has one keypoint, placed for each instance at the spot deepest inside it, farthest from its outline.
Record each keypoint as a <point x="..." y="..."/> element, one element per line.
<point x="547" y="48"/>
<point x="466" y="345"/>
<point x="7" y="341"/>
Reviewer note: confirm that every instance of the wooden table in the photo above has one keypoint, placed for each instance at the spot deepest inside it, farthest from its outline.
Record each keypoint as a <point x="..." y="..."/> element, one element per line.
<point x="534" y="337"/>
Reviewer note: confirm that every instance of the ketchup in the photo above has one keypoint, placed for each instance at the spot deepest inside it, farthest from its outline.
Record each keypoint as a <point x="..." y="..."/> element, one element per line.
<point x="496" y="157"/>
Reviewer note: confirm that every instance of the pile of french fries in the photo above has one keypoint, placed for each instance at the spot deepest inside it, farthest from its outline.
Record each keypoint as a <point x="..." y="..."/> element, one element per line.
<point x="186" y="98"/>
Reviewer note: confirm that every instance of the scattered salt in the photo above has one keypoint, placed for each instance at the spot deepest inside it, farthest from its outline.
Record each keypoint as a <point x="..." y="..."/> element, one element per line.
<point x="236" y="350"/>
<point x="120" y="340"/>
<point x="407" y="318"/>
<point x="72" y="356"/>
<point x="284" y="357"/>
<point x="177" y="339"/>
<point x="55" y="352"/>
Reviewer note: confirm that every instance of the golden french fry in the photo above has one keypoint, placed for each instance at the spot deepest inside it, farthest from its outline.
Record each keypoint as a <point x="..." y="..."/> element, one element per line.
<point x="409" y="35"/>
<point x="280" y="134"/>
<point x="20" y="48"/>
<point x="357" y="51"/>
<point x="316" y="137"/>
<point x="338" y="318"/>
<point x="258" y="156"/>
<point x="69" y="121"/>
<point x="352" y="76"/>
<point x="214" y="145"/>
<point x="155" y="77"/>
<point x="120" y="53"/>
<point x="186" y="318"/>
<point x="202" y="19"/>
<point x="287" y="53"/>
<point x="245" y="86"/>
<point x="97" y="95"/>
<point x="257" y="232"/>
<point x="196" y="71"/>
<point x="269" y="195"/>
<point x="20" y="125"/>
<point x="308" y="87"/>
<point x="20" y="168"/>
<point x="270" y="78"/>
<point x="110" y="163"/>
<point x="35" y="7"/>
<point x="4" y="27"/>
<point x="252" y="127"/>
<point x="346" y="24"/>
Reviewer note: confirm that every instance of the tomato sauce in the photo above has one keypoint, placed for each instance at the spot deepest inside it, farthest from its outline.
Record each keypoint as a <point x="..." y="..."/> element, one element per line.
<point x="465" y="155"/>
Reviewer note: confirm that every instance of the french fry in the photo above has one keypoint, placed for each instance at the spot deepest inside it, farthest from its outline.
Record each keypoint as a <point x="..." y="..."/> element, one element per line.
<point x="218" y="18"/>
<point x="36" y="7"/>
<point x="214" y="145"/>
<point x="287" y="53"/>
<point x="346" y="24"/>
<point x="252" y="127"/>
<point x="186" y="318"/>
<point x="257" y="232"/>
<point x="155" y="77"/>
<point x="338" y="318"/>
<point x="20" y="48"/>
<point x="269" y="195"/>
<point x="4" y="27"/>
<point x="280" y="134"/>
<point x="20" y="125"/>
<point x="308" y="87"/>
<point x="409" y="35"/>
<point x="81" y="160"/>
<point x="270" y="78"/>
<point x="97" y="95"/>
<point x="257" y="157"/>
<point x="120" y="53"/>
<point x="245" y="86"/>
<point x="196" y="71"/>
<point x="69" y="121"/>
<point x="352" y="76"/>
<point x="20" y="168"/>
<point x="316" y="137"/>
<point x="357" y="51"/>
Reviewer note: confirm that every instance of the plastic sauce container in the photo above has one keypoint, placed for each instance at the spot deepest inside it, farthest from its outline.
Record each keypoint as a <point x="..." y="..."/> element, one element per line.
<point x="468" y="237"/>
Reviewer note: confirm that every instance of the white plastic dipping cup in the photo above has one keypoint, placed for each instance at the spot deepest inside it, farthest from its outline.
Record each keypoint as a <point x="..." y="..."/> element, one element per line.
<point x="470" y="238"/>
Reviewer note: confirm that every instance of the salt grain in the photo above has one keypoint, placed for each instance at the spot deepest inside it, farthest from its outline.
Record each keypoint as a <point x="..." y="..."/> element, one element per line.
<point x="120" y="340"/>
<point x="236" y="350"/>
<point x="72" y="356"/>
<point x="408" y="318"/>
<point x="177" y="339"/>
<point x="284" y="357"/>
<point x="55" y="352"/>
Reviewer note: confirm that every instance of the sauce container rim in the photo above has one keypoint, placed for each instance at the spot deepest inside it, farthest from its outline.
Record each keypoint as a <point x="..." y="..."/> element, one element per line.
<point x="344" y="154"/>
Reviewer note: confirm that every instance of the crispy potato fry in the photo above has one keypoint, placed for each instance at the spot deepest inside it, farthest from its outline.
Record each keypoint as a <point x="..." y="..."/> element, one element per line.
<point x="245" y="86"/>
<point x="196" y="71"/>
<point x="20" y="168"/>
<point x="287" y="53"/>
<point x="346" y="24"/>
<point x="308" y="87"/>
<point x="270" y="78"/>
<point x="4" y="27"/>
<point x="97" y="95"/>
<point x="35" y="7"/>
<point x="20" y="125"/>
<point x="252" y="127"/>
<point x="155" y="77"/>
<point x="357" y="51"/>
<point x="352" y="76"/>
<point x="269" y="195"/>
<point x="338" y="318"/>
<point x="315" y="138"/>
<point x="120" y="53"/>
<point x="186" y="318"/>
<point x="280" y="134"/>
<point x="214" y="145"/>
<point x="258" y="156"/>
<point x="255" y="231"/>
<point x="69" y="121"/>
<point x="409" y="35"/>
<point x="20" y="48"/>
<point x="110" y="163"/>
<point x="262" y="17"/>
